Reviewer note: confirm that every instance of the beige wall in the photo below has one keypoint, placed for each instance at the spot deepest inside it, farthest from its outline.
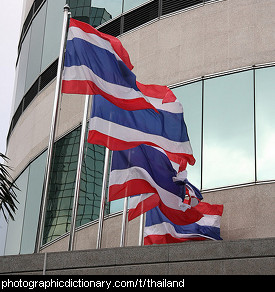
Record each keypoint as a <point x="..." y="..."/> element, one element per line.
<point x="216" y="37"/>
<point x="213" y="38"/>
<point x="31" y="135"/>
<point x="248" y="213"/>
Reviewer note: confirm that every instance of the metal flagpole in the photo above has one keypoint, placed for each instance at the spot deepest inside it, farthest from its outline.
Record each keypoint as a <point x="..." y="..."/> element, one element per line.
<point x="141" y="229"/>
<point x="78" y="172"/>
<point x="124" y="214"/>
<point x="103" y="198"/>
<point x="53" y="126"/>
<point x="124" y="223"/>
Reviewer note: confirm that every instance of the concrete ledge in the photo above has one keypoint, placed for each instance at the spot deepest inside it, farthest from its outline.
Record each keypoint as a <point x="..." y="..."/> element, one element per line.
<point x="252" y="256"/>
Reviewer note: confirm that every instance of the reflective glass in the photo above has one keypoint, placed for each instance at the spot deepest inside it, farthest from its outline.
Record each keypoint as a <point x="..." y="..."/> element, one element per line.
<point x="80" y="10"/>
<point x="22" y="70"/>
<point x="228" y="130"/>
<point x="53" y="30"/>
<point x="36" y="46"/>
<point x="265" y="122"/>
<point x="190" y="97"/>
<point x="112" y="8"/>
<point x="14" y="232"/>
<point x="129" y="4"/>
<point x="91" y="184"/>
<point x="33" y="200"/>
<point x="61" y="187"/>
<point x="3" y="232"/>
<point x="116" y="206"/>
<point x="62" y="183"/>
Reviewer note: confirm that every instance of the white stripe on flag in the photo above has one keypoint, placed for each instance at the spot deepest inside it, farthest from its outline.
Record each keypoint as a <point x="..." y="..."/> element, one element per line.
<point x="76" y="32"/>
<point x="167" y="228"/>
<point x="135" y="200"/>
<point x="132" y="135"/>
<point x="84" y="73"/>
<point x="210" y="220"/>
<point x="169" y="199"/>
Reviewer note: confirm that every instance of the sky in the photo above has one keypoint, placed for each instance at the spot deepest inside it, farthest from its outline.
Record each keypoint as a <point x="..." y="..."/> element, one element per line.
<point x="10" y="25"/>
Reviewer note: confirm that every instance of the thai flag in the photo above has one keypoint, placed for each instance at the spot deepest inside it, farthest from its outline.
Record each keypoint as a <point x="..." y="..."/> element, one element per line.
<point x="143" y="170"/>
<point x="119" y="129"/>
<point x="140" y="204"/>
<point x="96" y="63"/>
<point x="160" y="230"/>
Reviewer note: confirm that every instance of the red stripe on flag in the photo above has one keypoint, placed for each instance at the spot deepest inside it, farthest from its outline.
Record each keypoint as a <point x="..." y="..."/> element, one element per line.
<point x="144" y="206"/>
<point x="95" y="137"/>
<point x="209" y="209"/>
<point x="157" y="91"/>
<point x="115" y="42"/>
<point x="179" y="217"/>
<point x="167" y="238"/>
<point x="89" y="87"/>
<point x="130" y="188"/>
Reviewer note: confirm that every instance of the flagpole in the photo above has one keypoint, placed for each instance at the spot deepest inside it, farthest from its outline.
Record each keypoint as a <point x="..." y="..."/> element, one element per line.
<point x="78" y="172"/>
<point x="103" y="198"/>
<point x="141" y="229"/>
<point x="53" y="126"/>
<point x="124" y="223"/>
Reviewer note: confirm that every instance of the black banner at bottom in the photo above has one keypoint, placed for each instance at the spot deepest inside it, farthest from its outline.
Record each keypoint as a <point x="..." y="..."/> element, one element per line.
<point x="111" y="282"/>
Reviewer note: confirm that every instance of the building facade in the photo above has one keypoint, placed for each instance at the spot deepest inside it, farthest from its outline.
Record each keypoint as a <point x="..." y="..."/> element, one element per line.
<point x="218" y="57"/>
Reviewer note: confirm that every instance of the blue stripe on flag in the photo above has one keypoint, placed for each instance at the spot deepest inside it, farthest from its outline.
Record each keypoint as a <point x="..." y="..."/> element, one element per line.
<point x="155" y="162"/>
<point x="155" y="216"/>
<point x="102" y="62"/>
<point x="165" y="124"/>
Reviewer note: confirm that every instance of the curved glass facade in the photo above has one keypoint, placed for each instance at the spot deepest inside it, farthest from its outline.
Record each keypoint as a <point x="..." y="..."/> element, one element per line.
<point x="40" y="37"/>
<point x="230" y="122"/>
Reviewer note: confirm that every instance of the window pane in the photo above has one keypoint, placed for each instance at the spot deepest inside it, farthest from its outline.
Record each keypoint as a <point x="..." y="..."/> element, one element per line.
<point x="22" y="70"/>
<point x="228" y="133"/>
<point x="61" y="187"/>
<point x="112" y="7"/>
<point x="116" y="206"/>
<point x="190" y="97"/>
<point x="33" y="200"/>
<point x="36" y="46"/>
<point x="15" y="227"/>
<point x="3" y="232"/>
<point x="91" y="184"/>
<point x="62" y="183"/>
<point x="265" y="121"/>
<point x="129" y="4"/>
<point x="53" y="30"/>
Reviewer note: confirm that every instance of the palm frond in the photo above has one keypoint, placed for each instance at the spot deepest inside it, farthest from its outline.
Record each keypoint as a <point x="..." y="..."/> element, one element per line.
<point x="8" y="198"/>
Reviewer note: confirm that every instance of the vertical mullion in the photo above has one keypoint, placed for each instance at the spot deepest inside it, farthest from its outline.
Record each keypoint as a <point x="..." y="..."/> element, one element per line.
<point x="202" y="119"/>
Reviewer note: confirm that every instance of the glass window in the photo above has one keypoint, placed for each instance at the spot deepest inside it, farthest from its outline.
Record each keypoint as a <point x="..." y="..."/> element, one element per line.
<point x="190" y="97"/>
<point x="61" y="187"/>
<point x="33" y="200"/>
<point x="129" y="4"/>
<point x="53" y="30"/>
<point x="36" y="46"/>
<point x="228" y="130"/>
<point x="3" y="232"/>
<point x="91" y="184"/>
<point x="265" y="121"/>
<point x="116" y="206"/>
<point x="14" y="232"/>
<point x="22" y="70"/>
<point x="62" y="183"/>
<point x="112" y="8"/>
